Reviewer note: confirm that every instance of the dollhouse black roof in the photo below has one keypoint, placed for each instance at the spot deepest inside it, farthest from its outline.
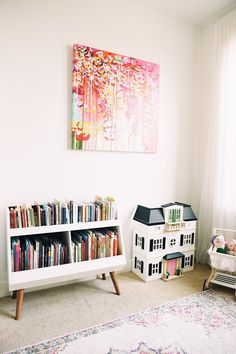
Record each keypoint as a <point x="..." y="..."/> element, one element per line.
<point x="149" y="216"/>
<point x="155" y="216"/>
<point x="175" y="255"/>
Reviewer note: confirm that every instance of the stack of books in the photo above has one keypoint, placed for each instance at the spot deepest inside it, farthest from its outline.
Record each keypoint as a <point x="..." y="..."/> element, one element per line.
<point x="37" y="252"/>
<point x="58" y="212"/>
<point x="93" y="244"/>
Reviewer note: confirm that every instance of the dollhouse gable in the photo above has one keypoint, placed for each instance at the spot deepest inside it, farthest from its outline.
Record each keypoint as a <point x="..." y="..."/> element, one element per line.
<point x="173" y="213"/>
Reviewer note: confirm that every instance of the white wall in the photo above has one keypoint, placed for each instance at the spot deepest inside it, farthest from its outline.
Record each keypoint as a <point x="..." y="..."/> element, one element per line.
<point x="36" y="39"/>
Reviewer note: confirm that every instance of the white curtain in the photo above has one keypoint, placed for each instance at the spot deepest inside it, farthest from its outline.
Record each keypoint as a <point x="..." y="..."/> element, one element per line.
<point x="218" y="196"/>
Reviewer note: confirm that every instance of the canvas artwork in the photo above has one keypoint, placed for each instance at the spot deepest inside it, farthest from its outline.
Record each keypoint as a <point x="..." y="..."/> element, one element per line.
<point x="114" y="101"/>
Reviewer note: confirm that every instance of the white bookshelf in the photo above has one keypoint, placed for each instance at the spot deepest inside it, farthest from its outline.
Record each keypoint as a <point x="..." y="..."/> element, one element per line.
<point x="25" y="279"/>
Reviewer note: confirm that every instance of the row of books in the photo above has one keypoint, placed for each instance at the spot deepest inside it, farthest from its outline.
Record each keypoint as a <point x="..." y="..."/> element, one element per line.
<point x="37" y="252"/>
<point x="57" y="213"/>
<point x="41" y="251"/>
<point x="93" y="244"/>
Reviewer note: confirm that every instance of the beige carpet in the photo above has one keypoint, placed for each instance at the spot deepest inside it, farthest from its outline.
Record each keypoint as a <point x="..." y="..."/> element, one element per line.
<point x="57" y="311"/>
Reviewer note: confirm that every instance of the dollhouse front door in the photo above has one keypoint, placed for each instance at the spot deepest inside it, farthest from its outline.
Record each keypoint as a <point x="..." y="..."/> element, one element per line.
<point x="172" y="266"/>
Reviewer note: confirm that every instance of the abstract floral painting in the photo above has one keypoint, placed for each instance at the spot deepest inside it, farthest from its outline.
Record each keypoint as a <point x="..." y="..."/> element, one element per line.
<point x="114" y="101"/>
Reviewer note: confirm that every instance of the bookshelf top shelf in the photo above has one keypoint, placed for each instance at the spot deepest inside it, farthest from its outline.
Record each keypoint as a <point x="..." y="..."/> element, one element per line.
<point x="23" y="231"/>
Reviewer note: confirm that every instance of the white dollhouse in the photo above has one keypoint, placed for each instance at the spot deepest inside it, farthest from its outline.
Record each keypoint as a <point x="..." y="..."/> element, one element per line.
<point x="163" y="241"/>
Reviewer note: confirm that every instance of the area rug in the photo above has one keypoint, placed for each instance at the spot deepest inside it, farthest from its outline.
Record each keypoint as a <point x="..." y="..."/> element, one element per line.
<point x="202" y="323"/>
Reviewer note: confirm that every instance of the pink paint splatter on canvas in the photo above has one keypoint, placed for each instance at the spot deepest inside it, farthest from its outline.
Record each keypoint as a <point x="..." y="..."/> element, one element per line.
<point x="114" y="101"/>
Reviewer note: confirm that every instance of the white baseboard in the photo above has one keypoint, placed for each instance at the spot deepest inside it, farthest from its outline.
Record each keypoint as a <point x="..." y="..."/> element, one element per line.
<point x="5" y="292"/>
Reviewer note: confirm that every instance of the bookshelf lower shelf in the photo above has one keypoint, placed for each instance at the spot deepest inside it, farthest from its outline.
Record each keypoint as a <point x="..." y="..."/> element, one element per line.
<point x="66" y="272"/>
<point x="19" y="281"/>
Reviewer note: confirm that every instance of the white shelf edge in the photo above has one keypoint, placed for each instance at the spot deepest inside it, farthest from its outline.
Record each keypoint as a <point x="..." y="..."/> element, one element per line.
<point x="49" y="275"/>
<point x="24" y="231"/>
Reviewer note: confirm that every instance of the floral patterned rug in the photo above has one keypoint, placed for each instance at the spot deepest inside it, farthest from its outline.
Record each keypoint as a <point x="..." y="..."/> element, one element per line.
<point x="202" y="323"/>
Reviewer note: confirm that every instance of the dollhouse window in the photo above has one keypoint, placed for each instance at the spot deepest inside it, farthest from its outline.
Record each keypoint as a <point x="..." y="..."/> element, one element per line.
<point x="139" y="241"/>
<point x="138" y="265"/>
<point x="187" y="239"/>
<point x="155" y="268"/>
<point x="174" y="215"/>
<point x="157" y="244"/>
<point x="187" y="261"/>
<point x="172" y="242"/>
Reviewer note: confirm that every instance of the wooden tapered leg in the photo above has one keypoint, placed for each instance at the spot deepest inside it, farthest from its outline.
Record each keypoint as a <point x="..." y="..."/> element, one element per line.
<point x="115" y="282"/>
<point x="14" y="294"/>
<point x="103" y="276"/>
<point x="19" y="300"/>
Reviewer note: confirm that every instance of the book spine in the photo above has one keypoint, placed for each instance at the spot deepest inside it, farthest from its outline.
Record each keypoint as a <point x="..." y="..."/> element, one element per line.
<point x="12" y="218"/>
<point x="115" y="246"/>
<point x="23" y="217"/>
<point x="12" y="261"/>
<point x="19" y="217"/>
<point x="93" y="246"/>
